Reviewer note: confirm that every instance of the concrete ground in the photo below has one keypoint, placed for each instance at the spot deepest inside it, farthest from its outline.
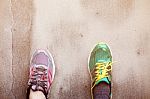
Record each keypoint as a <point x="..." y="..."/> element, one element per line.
<point x="69" y="29"/>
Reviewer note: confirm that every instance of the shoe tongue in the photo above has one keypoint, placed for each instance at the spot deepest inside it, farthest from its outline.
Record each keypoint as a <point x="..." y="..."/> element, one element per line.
<point x="103" y="80"/>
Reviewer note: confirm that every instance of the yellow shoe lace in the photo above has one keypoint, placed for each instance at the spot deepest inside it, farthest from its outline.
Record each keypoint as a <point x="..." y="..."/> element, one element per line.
<point x="102" y="70"/>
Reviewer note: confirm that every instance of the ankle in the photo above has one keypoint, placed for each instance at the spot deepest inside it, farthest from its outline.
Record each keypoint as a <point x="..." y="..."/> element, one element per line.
<point x="102" y="91"/>
<point x="31" y="91"/>
<point x="36" y="95"/>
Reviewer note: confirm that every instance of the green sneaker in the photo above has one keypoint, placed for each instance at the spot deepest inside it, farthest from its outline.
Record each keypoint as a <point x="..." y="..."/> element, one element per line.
<point x="100" y="65"/>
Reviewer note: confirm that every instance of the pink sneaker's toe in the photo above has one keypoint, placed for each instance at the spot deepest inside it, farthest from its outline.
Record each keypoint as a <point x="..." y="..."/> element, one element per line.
<point x="40" y="59"/>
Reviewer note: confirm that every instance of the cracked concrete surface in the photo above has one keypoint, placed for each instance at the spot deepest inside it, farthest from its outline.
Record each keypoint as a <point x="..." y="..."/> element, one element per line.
<point x="69" y="29"/>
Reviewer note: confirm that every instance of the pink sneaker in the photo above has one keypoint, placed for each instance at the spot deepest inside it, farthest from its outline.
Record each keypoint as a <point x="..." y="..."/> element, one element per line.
<point x="42" y="70"/>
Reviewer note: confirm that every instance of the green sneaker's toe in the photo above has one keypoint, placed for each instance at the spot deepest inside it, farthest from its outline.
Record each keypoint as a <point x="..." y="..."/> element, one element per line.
<point x="101" y="46"/>
<point x="100" y="53"/>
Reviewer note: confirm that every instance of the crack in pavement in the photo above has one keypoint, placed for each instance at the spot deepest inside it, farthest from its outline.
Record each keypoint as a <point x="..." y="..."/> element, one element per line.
<point x="12" y="23"/>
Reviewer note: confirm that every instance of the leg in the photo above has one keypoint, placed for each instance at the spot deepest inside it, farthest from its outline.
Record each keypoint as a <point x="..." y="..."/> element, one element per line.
<point x="36" y="95"/>
<point x="101" y="91"/>
<point x="100" y="63"/>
